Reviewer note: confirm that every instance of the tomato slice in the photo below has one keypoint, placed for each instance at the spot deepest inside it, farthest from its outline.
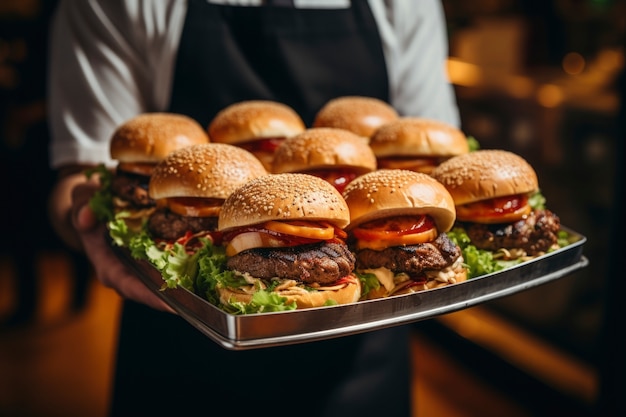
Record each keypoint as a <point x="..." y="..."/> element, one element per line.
<point x="262" y="145"/>
<point x="496" y="210"/>
<point x="310" y="230"/>
<point x="393" y="226"/>
<point x="195" y="207"/>
<point x="395" y="231"/>
<point x="339" y="178"/>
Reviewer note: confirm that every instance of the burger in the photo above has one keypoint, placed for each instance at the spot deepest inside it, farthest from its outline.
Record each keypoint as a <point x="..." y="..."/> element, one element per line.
<point x="257" y="126"/>
<point x="137" y="145"/>
<point x="417" y="144"/>
<point x="359" y="114"/>
<point x="397" y="230"/>
<point x="335" y="155"/>
<point x="189" y="187"/>
<point x="285" y="246"/>
<point x="500" y="209"/>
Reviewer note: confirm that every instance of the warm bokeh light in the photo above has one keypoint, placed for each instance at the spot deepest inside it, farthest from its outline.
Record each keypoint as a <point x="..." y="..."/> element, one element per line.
<point x="463" y="73"/>
<point x="610" y="59"/>
<point x="550" y="95"/>
<point x="573" y="63"/>
<point x="520" y="87"/>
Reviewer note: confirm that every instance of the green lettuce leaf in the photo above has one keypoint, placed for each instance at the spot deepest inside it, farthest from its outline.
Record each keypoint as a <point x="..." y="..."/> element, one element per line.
<point x="262" y="302"/>
<point x="212" y="275"/>
<point x="369" y="282"/>
<point x="478" y="261"/>
<point x="102" y="201"/>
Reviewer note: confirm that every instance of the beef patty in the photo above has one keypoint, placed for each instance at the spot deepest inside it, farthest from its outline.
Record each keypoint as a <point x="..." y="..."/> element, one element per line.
<point x="321" y="263"/>
<point x="133" y="188"/>
<point x="165" y="224"/>
<point x="534" y="234"/>
<point x="411" y="259"/>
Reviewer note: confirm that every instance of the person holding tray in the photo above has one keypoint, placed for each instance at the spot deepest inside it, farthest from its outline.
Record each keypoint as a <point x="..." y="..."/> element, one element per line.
<point x="110" y="61"/>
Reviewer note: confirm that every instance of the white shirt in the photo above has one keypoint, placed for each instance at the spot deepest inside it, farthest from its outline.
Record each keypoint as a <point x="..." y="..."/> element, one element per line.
<point x="113" y="59"/>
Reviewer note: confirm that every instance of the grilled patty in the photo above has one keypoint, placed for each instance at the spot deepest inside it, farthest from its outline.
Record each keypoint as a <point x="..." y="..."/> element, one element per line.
<point x="321" y="263"/>
<point x="411" y="259"/>
<point x="535" y="234"/>
<point x="165" y="224"/>
<point x="132" y="188"/>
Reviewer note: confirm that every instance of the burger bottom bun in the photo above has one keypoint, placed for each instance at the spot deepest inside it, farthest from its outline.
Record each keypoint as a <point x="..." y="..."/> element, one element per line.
<point x="134" y="218"/>
<point x="305" y="299"/>
<point x="381" y="292"/>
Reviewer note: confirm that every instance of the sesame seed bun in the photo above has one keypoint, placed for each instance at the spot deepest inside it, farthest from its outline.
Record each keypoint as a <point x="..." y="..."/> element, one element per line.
<point x="286" y="196"/>
<point x="394" y="192"/>
<point x="254" y="119"/>
<point x="253" y="122"/>
<point x="324" y="148"/>
<point x="211" y="170"/>
<point x="149" y="137"/>
<point x="486" y="174"/>
<point x="399" y="142"/>
<point x="360" y="115"/>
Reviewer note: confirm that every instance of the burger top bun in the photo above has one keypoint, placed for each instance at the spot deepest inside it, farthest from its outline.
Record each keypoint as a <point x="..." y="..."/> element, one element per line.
<point x="396" y="192"/>
<point x="360" y="115"/>
<point x="149" y="137"/>
<point x="210" y="170"/>
<point x="254" y="119"/>
<point x="486" y="174"/>
<point x="412" y="136"/>
<point x="287" y="196"/>
<point x="324" y="147"/>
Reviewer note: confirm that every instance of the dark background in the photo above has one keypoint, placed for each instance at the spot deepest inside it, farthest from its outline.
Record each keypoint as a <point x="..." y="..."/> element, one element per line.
<point x="541" y="78"/>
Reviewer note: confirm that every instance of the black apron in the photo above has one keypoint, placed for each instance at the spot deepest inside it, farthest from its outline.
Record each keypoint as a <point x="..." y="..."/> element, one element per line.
<point x="302" y="58"/>
<point x="165" y="367"/>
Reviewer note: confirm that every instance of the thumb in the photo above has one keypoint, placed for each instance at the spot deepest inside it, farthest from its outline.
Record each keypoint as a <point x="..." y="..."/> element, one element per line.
<point x="85" y="219"/>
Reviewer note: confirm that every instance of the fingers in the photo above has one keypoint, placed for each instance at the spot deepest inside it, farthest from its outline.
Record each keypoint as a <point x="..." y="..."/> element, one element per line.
<point x="83" y="217"/>
<point x="136" y="290"/>
<point x="112" y="272"/>
<point x="128" y="286"/>
<point x="109" y="269"/>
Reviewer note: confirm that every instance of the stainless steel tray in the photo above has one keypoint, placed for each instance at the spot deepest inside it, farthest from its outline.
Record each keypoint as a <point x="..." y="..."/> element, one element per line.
<point x="239" y="332"/>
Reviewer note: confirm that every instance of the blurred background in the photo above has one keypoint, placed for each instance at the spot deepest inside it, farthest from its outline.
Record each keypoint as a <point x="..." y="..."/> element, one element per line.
<point x="544" y="79"/>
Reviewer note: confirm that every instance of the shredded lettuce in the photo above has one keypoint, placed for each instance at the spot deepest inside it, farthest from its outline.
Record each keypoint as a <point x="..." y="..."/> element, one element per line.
<point x="481" y="262"/>
<point x="537" y="201"/>
<point x="212" y="275"/>
<point x="119" y="232"/>
<point x="211" y="271"/>
<point x="262" y="302"/>
<point x="474" y="145"/>
<point x="369" y="282"/>
<point x="478" y="261"/>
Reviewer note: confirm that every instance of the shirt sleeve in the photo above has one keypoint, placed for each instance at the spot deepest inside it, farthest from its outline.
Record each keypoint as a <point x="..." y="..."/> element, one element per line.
<point x="415" y="43"/>
<point x="101" y="71"/>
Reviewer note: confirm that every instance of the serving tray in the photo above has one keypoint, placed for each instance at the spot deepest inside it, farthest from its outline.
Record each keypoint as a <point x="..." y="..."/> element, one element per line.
<point x="239" y="332"/>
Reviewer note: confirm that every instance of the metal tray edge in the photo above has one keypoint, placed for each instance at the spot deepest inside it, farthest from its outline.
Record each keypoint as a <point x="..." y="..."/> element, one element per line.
<point x="274" y="329"/>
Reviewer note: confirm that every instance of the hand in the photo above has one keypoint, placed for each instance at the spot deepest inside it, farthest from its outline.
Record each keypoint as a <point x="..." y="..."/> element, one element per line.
<point x="90" y="235"/>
